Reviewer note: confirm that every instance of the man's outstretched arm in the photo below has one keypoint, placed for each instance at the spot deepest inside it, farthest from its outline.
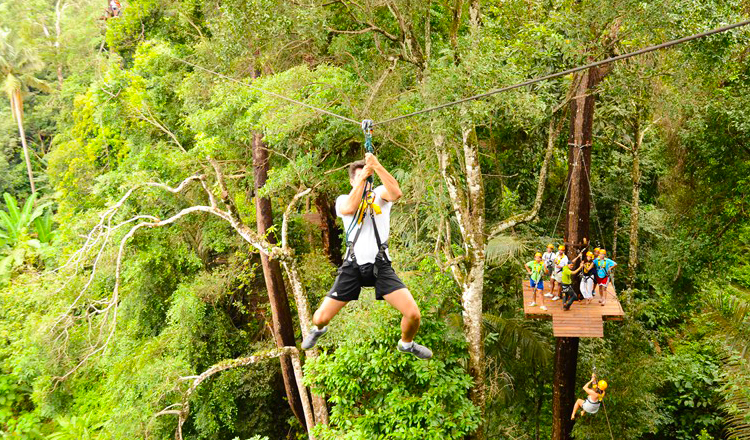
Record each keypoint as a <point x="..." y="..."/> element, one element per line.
<point x="392" y="189"/>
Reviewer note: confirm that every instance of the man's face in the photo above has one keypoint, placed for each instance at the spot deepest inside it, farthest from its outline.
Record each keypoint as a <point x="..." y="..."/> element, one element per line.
<point x="602" y="255"/>
<point x="357" y="173"/>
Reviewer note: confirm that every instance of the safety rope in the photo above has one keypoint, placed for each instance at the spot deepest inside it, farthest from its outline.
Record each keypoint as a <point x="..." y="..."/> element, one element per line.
<point x="602" y="403"/>
<point x="607" y="417"/>
<point x="591" y="193"/>
<point x="569" y="71"/>
<point x="565" y="196"/>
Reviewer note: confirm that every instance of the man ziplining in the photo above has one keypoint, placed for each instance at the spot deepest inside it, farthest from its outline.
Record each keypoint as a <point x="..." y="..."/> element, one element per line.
<point x="367" y="263"/>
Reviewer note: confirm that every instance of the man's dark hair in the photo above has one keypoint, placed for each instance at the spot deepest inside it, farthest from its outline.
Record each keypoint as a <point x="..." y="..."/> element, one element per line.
<point x="354" y="166"/>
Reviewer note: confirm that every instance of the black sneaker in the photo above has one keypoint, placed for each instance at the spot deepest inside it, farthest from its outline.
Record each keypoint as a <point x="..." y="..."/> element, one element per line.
<point x="312" y="338"/>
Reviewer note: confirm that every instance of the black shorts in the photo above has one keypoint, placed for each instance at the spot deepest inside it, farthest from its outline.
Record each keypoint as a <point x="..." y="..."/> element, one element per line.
<point x="352" y="277"/>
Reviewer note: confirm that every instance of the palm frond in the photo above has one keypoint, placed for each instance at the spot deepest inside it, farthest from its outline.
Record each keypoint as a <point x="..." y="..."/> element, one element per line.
<point x="503" y="248"/>
<point x="737" y="398"/>
<point x="731" y="313"/>
<point x="514" y="336"/>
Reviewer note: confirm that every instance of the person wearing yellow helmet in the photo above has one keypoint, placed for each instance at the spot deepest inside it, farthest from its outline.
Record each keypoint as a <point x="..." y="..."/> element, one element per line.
<point x="588" y="277"/>
<point x="535" y="268"/>
<point x="561" y="260"/>
<point x="604" y="268"/>
<point x="549" y="259"/>
<point x="592" y="402"/>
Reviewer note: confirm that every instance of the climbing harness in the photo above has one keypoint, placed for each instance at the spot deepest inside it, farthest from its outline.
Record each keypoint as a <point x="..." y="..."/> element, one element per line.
<point x="367" y="208"/>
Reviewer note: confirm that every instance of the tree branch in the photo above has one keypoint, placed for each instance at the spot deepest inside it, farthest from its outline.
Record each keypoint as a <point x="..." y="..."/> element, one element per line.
<point x="554" y="132"/>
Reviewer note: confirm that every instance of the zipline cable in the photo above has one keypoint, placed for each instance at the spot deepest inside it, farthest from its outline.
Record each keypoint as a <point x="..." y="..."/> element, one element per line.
<point x="569" y="71"/>
<point x="268" y="92"/>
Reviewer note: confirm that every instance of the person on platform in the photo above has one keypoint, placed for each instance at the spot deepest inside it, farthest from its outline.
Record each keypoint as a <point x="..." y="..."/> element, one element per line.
<point x="588" y="277"/>
<point x="536" y="269"/>
<point x="604" y="268"/>
<point x="561" y="260"/>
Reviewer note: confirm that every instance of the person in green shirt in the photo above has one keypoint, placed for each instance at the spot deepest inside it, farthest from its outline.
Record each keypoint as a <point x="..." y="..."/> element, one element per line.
<point x="536" y="268"/>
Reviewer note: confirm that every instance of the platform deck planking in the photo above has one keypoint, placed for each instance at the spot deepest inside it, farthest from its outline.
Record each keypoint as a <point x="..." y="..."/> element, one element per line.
<point x="582" y="320"/>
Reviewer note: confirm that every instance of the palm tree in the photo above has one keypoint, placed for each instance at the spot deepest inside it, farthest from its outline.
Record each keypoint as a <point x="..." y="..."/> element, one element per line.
<point x="728" y="306"/>
<point x="18" y="65"/>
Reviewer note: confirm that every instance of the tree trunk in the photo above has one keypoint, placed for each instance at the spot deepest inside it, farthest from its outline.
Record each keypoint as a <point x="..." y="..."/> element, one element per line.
<point x="283" y="328"/>
<point x="563" y="391"/>
<point x="577" y="228"/>
<point x="468" y="201"/>
<point x="16" y="106"/>
<point x="59" y="8"/>
<point x="330" y="231"/>
<point x="635" y="175"/>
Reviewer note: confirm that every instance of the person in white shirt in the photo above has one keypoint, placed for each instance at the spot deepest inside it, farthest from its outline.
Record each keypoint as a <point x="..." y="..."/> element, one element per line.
<point x="367" y="262"/>
<point x="561" y="260"/>
<point x="549" y="260"/>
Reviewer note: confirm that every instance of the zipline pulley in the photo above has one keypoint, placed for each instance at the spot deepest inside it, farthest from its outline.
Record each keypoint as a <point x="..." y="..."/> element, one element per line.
<point x="367" y="129"/>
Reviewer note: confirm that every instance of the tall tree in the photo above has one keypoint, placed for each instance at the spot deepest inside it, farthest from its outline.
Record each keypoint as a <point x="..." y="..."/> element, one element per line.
<point x="18" y="65"/>
<point x="281" y="315"/>
<point x="577" y="229"/>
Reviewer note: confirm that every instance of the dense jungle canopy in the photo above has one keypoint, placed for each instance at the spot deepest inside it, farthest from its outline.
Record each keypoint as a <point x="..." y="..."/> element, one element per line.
<point x="168" y="226"/>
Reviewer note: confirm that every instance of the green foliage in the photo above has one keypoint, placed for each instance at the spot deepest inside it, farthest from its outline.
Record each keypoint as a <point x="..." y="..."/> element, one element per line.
<point x="692" y="389"/>
<point x="407" y="398"/>
<point x="16" y="222"/>
<point x="124" y="111"/>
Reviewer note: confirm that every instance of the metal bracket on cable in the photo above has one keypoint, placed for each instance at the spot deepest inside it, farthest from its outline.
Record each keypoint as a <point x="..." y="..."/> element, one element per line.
<point x="367" y="129"/>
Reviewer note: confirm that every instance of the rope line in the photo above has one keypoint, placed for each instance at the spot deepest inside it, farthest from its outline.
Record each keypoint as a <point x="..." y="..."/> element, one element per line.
<point x="565" y="196"/>
<point x="607" y="417"/>
<point x="593" y="204"/>
<point x="569" y="71"/>
<point x="268" y="92"/>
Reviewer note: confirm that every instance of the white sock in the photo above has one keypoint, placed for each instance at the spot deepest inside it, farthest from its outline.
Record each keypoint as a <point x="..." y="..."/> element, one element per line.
<point x="406" y="344"/>
<point x="315" y="328"/>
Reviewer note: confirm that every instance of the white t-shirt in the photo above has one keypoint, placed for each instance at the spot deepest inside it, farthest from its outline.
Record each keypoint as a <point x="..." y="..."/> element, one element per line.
<point x="366" y="248"/>
<point x="560" y="262"/>
<point x="549" y="258"/>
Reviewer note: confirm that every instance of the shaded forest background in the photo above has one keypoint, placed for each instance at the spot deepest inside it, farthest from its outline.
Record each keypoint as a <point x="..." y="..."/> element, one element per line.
<point x="93" y="349"/>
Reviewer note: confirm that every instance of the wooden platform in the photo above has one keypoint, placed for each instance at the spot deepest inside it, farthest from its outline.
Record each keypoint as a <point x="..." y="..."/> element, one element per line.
<point x="582" y="320"/>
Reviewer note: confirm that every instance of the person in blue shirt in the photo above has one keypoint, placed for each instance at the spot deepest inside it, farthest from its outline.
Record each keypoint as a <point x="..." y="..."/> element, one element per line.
<point x="604" y="268"/>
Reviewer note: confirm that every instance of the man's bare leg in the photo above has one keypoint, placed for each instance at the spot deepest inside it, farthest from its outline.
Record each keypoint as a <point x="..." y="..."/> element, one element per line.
<point x="402" y="301"/>
<point x="327" y="310"/>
